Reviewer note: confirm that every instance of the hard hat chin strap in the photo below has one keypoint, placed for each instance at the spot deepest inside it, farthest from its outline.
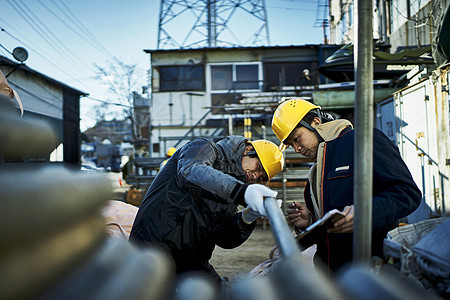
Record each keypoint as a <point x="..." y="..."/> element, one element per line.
<point x="305" y="124"/>
<point x="252" y="153"/>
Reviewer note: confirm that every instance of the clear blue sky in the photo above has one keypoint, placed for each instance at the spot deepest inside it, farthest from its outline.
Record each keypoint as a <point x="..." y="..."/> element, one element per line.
<point x="113" y="28"/>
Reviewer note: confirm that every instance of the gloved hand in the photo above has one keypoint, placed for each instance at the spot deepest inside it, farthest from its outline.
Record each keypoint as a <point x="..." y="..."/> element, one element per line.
<point x="254" y="197"/>
<point x="279" y="202"/>
<point x="249" y="215"/>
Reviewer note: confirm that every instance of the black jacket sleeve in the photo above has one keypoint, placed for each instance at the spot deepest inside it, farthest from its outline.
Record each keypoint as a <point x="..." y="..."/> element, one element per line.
<point x="395" y="193"/>
<point x="196" y="169"/>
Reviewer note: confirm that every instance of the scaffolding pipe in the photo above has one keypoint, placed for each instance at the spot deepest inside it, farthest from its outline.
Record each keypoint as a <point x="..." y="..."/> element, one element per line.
<point x="283" y="235"/>
<point x="363" y="148"/>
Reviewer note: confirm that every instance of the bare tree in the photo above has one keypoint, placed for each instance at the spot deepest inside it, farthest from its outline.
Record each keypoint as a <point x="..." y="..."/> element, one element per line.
<point x="121" y="80"/>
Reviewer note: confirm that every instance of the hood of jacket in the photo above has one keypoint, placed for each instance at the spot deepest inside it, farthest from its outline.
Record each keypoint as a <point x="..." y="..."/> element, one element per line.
<point x="232" y="148"/>
<point x="331" y="130"/>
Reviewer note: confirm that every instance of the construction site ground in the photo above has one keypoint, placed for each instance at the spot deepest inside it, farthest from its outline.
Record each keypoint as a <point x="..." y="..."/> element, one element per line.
<point x="233" y="262"/>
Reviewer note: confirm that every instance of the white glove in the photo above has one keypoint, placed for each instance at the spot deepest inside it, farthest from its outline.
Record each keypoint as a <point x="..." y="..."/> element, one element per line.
<point x="254" y="197"/>
<point x="279" y="202"/>
<point x="249" y="215"/>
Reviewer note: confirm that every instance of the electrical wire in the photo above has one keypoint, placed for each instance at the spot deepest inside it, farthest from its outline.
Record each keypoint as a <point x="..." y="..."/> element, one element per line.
<point x="51" y="43"/>
<point x="80" y="25"/>
<point x="33" y="25"/>
<point x="41" y="55"/>
<point x="18" y="87"/>
<point x="19" y="40"/>
<point x="72" y="28"/>
<point x="56" y="41"/>
<point x="292" y="8"/>
<point x="109" y="103"/>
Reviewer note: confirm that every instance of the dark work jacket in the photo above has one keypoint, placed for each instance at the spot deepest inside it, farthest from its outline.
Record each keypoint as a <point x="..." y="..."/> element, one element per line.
<point x="395" y="195"/>
<point x="191" y="205"/>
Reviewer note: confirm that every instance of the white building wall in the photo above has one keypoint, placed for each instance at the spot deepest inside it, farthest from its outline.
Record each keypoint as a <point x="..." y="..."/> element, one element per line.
<point x="178" y="108"/>
<point x="422" y="111"/>
<point x="418" y="30"/>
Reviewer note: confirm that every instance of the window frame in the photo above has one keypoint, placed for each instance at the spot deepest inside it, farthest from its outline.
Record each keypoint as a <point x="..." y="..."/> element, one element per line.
<point x="182" y="84"/>
<point x="209" y="78"/>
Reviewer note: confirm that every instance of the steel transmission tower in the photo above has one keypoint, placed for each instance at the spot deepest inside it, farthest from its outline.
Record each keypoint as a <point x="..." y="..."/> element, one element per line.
<point x="210" y="23"/>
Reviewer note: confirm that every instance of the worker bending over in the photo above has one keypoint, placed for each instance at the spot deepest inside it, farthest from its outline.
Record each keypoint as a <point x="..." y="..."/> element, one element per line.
<point x="192" y="205"/>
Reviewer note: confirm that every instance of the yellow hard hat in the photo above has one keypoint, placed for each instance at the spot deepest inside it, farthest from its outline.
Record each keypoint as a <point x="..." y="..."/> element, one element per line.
<point x="171" y="151"/>
<point x="270" y="156"/>
<point x="288" y="114"/>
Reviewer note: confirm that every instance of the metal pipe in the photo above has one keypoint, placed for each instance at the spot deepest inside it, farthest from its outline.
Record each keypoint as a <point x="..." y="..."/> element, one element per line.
<point x="293" y="273"/>
<point x="283" y="235"/>
<point x="23" y="193"/>
<point x="363" y="147"/>
<point x="284" y="180"/>
<point x="195" y="286"/>
<point x="33" y="264"/>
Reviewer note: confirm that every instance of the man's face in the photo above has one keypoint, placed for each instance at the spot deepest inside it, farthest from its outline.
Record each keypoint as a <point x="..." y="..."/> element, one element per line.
<point x="304" y="141"/>
<point x="254" y="171"/>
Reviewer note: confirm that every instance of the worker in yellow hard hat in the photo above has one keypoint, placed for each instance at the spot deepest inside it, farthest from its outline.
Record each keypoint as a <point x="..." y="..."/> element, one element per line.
<point x="270" y="159"/>
<point x="329" y="143"/>
<point x="192" y="205"/>
<point x="169" y="153"/>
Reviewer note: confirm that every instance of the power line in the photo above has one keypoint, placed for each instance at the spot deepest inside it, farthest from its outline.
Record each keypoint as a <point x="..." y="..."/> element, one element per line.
<point x="301" y="1"/>
<point x="38" y="53"/>
<point x="29" y="20"/>
<point x="292" y="8"/>
<point x="80" y="24"/>
<point x="55" y="38"/>
<point x="33" y="94"/>
<point x="95" y="44"/>
<point x="52" y="43"/>
<point x="110" y="103"/>
<point x="65" y="23"/>
<point x="17" y="39"/>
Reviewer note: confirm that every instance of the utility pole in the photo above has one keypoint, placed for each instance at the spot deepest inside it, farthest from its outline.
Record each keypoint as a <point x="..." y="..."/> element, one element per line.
<point x="322" y="14"/>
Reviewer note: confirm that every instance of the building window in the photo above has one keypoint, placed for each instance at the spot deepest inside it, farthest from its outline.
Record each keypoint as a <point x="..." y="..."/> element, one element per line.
<point x="230" y="77"/>
<point x="247" y="77"/>
<point x="181" y="78"/>
<point x="287" y="74"/>
<point x="221" y="77"/>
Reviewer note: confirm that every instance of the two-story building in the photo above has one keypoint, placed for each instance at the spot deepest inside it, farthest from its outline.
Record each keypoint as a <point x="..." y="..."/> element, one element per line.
<point x="221" y="91"/>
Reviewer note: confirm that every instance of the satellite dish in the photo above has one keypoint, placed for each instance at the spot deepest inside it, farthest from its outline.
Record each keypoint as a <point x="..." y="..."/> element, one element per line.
<point x="20" y="54"/>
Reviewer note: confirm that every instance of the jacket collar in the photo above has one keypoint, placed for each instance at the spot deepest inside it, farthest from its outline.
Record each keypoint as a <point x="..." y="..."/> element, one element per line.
<point x="331" y="130"/>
